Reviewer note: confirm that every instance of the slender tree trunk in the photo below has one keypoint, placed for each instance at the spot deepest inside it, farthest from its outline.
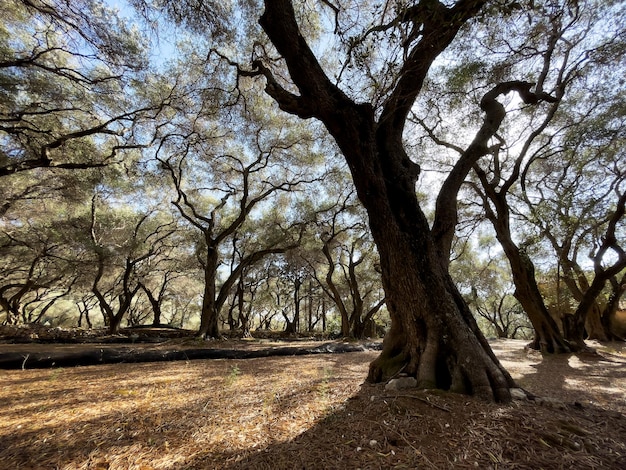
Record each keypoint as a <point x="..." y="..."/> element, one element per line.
<point x="156" y="321"/>
<point x="290" y="326"/>
<point x="209" y="316"/>
<point x="358" y="328"/>
<point x="114" y="324"/>
<point x="245" y="327"/>
<point x="232" y="322"/>
<point x="243" y="313"/>
<point x="500" y="332"/>
<point x="356" y="325"/>
<point x="345" y="325"/>
<point x="593" y="324"/>
<point x="609" y="315"/>
<point x="548" y="337"/>
<point x="155" y="303"/>
<point x="244" y="321"/>
<point x="310" y="307"/>
<point x="296" y="301"/>
<point x="81" y="313"/>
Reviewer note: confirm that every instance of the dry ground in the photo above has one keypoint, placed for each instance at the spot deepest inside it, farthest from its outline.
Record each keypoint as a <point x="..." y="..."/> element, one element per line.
<point x="310" y="412"/>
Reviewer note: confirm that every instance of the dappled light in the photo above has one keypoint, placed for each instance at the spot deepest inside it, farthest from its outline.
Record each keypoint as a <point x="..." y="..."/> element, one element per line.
<point x="166" y="415"/>
<point x="311" y="412"/>
<point x="586" y="378"/>
<point x="337" y="234"/>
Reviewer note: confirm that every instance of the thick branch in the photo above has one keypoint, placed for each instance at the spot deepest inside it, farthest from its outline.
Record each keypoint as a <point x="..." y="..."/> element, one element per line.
<point x="446" y="208"/>
<point x="439" y="27"/>
<point x="318" y="95"/>
<point x="286" y="100"/>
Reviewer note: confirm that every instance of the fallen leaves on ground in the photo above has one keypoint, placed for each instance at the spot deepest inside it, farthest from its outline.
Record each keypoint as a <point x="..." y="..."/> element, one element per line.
<point x="309" y="412"/>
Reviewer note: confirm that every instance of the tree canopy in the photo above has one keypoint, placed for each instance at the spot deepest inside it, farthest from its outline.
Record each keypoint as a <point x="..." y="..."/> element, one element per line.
<point x="223" y="176"/>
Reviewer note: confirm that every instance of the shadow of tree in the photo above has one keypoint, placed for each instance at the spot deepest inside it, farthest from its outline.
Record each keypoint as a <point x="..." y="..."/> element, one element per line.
<point x="427" y="430"/>
<point x="586" y="378"/>
<point x="283" y="413"/>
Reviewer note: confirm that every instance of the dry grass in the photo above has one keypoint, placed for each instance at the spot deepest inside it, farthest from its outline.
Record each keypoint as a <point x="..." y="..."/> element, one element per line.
<point x="309" y="412"/>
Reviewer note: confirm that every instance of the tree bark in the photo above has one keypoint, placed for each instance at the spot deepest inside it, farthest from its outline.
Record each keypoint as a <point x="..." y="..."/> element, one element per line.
<point x="155" y="303"/>
<point x="586" y="322"/>
<point x="609" y="315"/>
<point x="296" y="304"/>
<point x="433" y="335"/>
<point x="548" y="337"/>
<point x="209" y="315"/>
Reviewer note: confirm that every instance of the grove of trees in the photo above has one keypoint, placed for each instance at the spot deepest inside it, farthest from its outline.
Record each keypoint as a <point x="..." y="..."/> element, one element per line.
<point x="448" y="170"/>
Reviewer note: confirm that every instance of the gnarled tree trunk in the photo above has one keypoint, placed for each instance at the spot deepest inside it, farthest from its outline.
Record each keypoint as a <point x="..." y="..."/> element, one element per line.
<point x="433" y="335"/>
<point x="548" y="338"/>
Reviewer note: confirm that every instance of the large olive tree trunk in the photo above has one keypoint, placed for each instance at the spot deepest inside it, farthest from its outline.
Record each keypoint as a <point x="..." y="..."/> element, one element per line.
<point x="433" y="335"/>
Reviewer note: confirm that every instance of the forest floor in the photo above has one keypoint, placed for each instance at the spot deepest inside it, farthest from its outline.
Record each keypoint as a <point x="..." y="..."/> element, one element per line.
<point x="309" y="412"/>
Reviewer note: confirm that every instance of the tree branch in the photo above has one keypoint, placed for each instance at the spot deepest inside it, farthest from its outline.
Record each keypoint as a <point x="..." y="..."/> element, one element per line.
<point x="446" y="212"/>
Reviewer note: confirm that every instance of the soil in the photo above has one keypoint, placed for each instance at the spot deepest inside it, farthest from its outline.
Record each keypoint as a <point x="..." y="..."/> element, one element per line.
<point x="308" y="412"/>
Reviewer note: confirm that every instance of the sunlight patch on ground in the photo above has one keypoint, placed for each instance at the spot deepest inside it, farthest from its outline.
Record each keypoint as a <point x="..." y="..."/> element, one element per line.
<point x="515" y="358"/>
<point x="575" y="363"/>
<point x="166" y="413"/>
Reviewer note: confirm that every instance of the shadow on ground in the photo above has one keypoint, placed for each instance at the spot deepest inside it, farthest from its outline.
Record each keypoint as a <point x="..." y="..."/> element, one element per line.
<point x="308" y="412"/>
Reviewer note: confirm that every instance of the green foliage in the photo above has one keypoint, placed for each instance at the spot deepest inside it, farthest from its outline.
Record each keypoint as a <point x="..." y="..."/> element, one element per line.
<point x="233" y="375"/>
<point x="76" y="89"/>
<point x="64" y="74"/>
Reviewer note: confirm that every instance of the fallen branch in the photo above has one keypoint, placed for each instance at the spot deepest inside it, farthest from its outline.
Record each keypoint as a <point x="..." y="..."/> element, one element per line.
<point x="423" y="400"/>
<point x="131" y="355"/>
